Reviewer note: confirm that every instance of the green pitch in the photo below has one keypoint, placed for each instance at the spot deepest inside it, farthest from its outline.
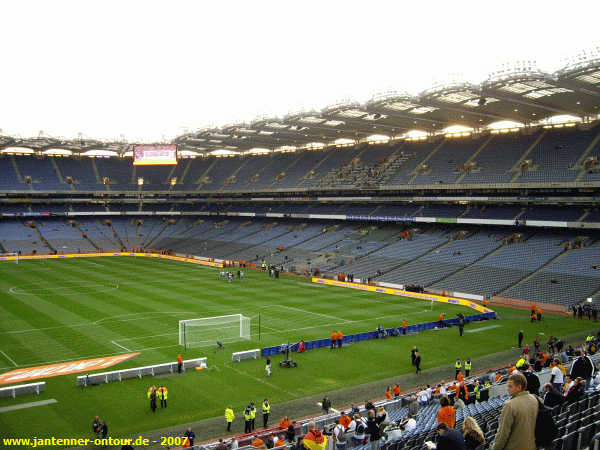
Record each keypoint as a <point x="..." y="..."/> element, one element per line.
<point x="57" y="310"/>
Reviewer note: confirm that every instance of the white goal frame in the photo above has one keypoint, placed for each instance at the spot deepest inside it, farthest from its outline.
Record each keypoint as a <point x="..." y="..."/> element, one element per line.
<point x="244" y="328"/>
<point x="16" y="256"/>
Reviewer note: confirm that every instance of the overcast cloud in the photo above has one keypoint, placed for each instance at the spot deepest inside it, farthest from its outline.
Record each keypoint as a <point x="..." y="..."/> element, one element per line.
<point x="149" y="70"/>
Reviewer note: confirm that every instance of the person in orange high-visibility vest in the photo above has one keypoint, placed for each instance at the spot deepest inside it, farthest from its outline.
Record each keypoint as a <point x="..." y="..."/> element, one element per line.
<point x="404" y="325"/>
<point x="539" y="313"/>
<point x="397" y="390"/>
<point x="333" y="339"/>
<point x="440" y="320"/>
<point x="340" y="336"/>
<point x="388" y="392"/>
<point x="179" y="363"/>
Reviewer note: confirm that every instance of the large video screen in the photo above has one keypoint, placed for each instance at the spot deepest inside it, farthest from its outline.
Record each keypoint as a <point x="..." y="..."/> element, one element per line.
<point x="154" y="155"/>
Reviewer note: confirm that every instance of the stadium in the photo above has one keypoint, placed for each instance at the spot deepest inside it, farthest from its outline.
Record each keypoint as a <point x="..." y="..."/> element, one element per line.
<point x="307" y="256"/>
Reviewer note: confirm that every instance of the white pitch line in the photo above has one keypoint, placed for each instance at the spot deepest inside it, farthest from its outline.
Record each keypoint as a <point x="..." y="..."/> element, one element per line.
<point x="28" y="405"/>
<point x="316" y="314"/>
<point x="119" y="345"/>
<point x="9" y="358"/>
<point x="476" y="330"/>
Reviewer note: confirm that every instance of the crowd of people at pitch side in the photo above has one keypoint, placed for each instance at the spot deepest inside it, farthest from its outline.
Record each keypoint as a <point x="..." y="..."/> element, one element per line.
<point x="586" y="310"/>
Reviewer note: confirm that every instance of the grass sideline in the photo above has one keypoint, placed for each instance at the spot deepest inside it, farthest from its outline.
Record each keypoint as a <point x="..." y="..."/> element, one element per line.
<point x="78" y="308"/>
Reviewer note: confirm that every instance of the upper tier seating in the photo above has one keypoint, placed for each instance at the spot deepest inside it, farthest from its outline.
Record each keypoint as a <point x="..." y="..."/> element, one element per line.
<point x="557" y="156"/>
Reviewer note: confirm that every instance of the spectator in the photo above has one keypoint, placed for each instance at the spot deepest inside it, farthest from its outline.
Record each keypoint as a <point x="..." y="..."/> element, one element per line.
<point x="234" y="444"/>
<point x="472" y="434"/>
<point x="373" y="427"/>
<point x="189" y="437"/>
<point x="446" y="414"/>
<point x="256" y="443"/>
<point x="458" y="404"/>
<point x="576" y="392"/>
<point x="345" y="420"/>
<point x="279" y="441"/>
<point x="413" y="406"/>
<point x="339" y="435"/>
<point x="582" y="367"/>
<point x="552" y="397"/>
<point x="220" y="446"/>
<point x="516" y="427"/>
<point x="448" y="439"/>
<point x="409" y="423"/>
<point x="96" y="425"/>
<point x="284" y="423"/>
<point x="556" y="377"/>
<point x="290" y="434"/>
<point x="359" y="429"/>
<point x="566" y="386"/>
<point x="423" y="397"/>
<point x="533" y="382"/>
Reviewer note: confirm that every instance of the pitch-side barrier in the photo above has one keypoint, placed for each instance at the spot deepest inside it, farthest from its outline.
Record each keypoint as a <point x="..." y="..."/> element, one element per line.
<point x="189" y="259"/>
<point x="248" y="354"/>
<point x="136" y="372"/>
<point x="23" y="389"/>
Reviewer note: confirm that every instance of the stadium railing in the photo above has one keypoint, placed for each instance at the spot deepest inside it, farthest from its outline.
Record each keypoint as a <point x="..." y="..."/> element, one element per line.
<point x="136" y="372"/>
<point x="23" y="389"/>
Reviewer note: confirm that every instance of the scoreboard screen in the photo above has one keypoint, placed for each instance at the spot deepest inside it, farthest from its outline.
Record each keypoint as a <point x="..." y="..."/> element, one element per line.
<point x="154" y="155"/>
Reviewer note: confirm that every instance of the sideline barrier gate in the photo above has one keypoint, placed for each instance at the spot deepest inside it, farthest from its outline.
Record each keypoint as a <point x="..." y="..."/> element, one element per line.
<point x="248" y="354"/>
<point x="136" y="372"/>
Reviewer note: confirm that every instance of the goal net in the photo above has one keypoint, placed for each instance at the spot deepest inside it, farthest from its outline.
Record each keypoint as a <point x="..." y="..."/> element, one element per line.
<point x="9" y="256"/>
<point x="210" y="330"/>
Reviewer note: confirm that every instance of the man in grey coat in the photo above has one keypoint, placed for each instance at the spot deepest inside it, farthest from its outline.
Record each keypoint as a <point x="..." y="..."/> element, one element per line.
<point x="516" y="427"/>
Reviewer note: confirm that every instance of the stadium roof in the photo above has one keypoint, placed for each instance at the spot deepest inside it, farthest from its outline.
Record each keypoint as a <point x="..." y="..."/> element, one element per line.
<point x="518" y="92"/>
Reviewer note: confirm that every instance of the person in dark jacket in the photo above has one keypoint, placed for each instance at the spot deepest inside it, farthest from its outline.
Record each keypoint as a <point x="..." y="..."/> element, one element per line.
<point x="520" y="338"/>
<point x="582" y="367"/>
<point x="533" y="382"/>
<point x="326" y="405"/>
<point x="189" y="436"/>
<point x="417" y="362"/>
<point x="290" y="434"/>
<point x="449" y="439"/>
<point x="552" y="397"/>
<point x="104" y="429"/>
<point x="373" y="427"/>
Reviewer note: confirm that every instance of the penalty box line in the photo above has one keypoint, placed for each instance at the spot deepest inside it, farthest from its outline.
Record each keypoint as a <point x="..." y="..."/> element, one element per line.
<point x="119" y="345"/>
<point x="12" y="361"/>
<point x="314" y="313"/>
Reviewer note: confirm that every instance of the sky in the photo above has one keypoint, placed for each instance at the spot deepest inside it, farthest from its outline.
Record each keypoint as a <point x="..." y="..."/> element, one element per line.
<point x="152" y="70"/>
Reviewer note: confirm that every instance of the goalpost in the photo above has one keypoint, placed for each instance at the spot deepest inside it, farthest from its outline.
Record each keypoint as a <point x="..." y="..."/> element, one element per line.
<point x="212" y="330"/>
<point x="9" y="256"/>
